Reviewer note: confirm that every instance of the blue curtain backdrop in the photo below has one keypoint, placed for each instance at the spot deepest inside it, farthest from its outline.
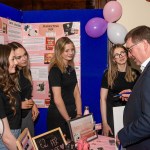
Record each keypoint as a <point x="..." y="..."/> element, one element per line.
<point x="93" y="53"/>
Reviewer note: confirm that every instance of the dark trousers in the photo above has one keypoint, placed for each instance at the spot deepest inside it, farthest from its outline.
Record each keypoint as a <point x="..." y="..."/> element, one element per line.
<point x="27" y="122"/>
<point x="55" y="120"/>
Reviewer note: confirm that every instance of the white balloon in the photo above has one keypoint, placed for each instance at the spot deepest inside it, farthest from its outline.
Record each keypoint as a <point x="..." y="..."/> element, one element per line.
<point x="116" y="33"/>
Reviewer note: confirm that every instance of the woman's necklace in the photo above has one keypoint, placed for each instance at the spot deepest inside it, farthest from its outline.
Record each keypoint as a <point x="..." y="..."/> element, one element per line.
<point x="69" y="70"/>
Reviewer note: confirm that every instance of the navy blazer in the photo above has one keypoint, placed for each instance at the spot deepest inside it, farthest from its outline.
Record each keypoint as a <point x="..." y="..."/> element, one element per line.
<point x="136" y="132"/>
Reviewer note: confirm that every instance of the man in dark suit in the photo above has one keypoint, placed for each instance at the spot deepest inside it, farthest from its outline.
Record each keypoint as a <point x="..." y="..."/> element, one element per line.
<point x="136" y="132"/>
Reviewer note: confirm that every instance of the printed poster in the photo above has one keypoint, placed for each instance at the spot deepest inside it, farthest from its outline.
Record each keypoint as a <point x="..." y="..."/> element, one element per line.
<point x="39" y="40"/>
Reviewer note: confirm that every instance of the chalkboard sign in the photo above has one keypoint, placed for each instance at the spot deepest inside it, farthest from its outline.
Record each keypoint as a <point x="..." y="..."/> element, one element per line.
<point x="51" y="140"/>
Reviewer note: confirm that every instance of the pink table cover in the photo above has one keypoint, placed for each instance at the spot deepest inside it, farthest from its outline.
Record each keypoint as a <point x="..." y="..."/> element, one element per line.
<point x="102" y="143"/>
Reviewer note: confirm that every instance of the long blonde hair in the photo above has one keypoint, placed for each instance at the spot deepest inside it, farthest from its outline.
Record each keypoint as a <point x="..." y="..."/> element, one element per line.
<point x="59" y="49"/>
<point x="130" y="75"/>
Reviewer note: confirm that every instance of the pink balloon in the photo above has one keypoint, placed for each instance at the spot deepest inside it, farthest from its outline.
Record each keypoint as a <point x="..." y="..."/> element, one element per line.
<point x="112" y="11"/>
<point x="96" y="27"/>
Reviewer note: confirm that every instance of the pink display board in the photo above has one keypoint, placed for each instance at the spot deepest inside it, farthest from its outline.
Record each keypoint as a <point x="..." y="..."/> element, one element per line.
<point x="39" y="40"/>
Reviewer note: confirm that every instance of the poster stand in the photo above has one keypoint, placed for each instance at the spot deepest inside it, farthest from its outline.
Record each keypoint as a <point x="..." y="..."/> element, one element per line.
<point x="91" y="59"/>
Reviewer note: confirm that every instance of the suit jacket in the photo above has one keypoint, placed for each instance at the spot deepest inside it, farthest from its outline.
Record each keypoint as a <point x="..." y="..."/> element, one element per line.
<point x="136" y="132"/>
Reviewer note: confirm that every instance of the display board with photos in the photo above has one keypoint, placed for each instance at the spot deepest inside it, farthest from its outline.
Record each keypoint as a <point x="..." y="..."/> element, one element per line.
<point x="39" y="40"/>
<point x="83" y="127"/>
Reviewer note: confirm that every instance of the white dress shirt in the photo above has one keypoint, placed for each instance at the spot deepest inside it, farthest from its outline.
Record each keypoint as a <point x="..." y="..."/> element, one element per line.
<point x="144" y="64"/>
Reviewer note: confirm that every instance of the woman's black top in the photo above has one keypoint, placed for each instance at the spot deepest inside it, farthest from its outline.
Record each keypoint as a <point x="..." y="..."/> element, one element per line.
<point x="67" y="81"/>
<point x="119" y="84"/>
<point x="25" y="92"/>
<point x="14" y="120"/>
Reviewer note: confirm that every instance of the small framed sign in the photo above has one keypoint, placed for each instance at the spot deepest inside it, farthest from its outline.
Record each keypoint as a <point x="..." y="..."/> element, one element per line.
<point x="83" y="127"/>
<point x="50" y="140"/>
<point x="24" y="141"/>
<point x="1" y="128"/>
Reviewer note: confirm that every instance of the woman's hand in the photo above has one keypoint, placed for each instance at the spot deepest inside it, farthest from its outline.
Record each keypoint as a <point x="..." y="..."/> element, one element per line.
<point x="27" y="104"/>
<point x="78" y="115"/>
<point x="35" y="112"/>
<point x="106" y="130"/>
<point x="117" y="141"/>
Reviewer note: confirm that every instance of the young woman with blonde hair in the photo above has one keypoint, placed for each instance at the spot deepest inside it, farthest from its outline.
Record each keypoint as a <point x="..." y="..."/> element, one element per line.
<point x="117" y="77"/>
<point x="65" y="100"/>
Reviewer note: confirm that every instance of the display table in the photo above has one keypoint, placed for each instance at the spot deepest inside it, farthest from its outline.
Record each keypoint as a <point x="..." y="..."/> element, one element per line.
<point x="102" y="143"/>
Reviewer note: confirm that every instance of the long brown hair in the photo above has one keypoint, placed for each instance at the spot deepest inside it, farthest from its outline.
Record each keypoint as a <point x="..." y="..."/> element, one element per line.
<point x="59" y="49"/>
<point x="26" y="69"/>
<point x="8" y="82"/>
<point x="130" y="75"/>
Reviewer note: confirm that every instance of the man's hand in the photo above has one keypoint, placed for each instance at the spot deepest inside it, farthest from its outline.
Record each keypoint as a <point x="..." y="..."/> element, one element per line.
<point x="125" y="97"/>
